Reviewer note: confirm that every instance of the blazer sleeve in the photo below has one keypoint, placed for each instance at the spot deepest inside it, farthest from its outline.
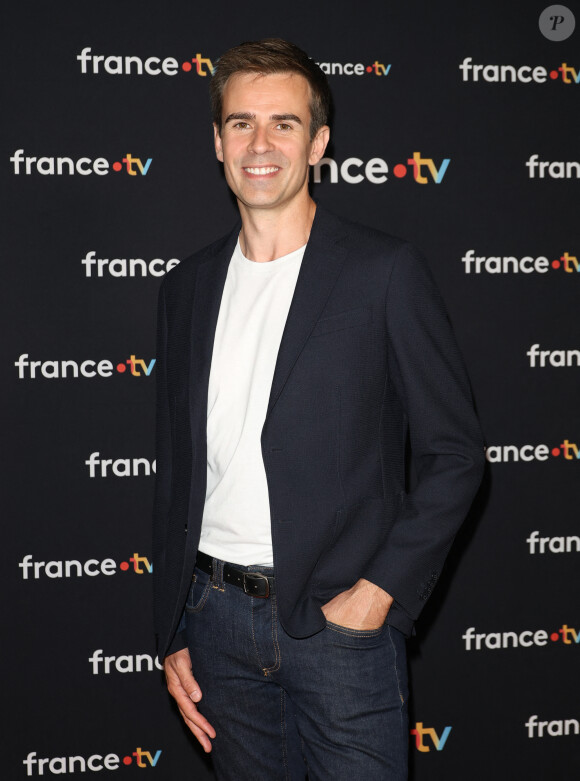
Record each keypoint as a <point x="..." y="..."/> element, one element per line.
<point x="427" y="374"/>
<point x="162" y="498"/>
<point x="162" y="501"/>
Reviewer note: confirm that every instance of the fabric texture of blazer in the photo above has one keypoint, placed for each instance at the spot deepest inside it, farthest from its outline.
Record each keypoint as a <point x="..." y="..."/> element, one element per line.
<point x="367" y="365"/>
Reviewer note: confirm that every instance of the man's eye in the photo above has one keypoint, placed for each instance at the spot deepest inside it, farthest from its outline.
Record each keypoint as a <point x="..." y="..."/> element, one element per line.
<point x="284" y="126"/>
<point x="241" y="125"/>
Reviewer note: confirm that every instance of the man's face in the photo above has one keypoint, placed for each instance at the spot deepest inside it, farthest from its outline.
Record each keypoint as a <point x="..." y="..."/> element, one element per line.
<point x="265" y="141"/>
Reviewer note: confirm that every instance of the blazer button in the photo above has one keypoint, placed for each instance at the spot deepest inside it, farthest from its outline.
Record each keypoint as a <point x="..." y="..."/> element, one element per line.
<point x="185" y="529"/>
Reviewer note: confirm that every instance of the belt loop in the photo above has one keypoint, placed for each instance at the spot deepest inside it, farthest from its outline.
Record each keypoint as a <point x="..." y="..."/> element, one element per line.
<point x="218" y="573"/>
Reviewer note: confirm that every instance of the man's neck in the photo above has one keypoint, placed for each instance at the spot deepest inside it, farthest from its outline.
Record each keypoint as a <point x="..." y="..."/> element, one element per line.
<point x="269" y="234"/>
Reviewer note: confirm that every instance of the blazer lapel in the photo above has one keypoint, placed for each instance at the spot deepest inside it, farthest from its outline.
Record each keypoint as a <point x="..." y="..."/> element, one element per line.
<point x="321" y="265"/>
<point x="209" y="286"/>
<point x="319" y="271"/>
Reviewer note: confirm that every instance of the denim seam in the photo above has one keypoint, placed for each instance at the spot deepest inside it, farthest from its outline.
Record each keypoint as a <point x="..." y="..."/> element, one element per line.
<point x="396" y="669"/>
<point x="218" y="571"/>
<point x="202" y="600"/>
<point x="277" y="656"/>
<point x="283" y="729"/>
<point x="344" y="630"/>
<point x="251" y="601"/>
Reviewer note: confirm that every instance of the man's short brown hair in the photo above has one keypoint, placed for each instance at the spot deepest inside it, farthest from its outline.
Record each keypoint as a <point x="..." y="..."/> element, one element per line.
<point x="272" y="55"/>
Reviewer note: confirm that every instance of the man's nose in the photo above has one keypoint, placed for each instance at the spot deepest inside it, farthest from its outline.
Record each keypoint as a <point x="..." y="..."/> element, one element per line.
<point x="260" y="141"/>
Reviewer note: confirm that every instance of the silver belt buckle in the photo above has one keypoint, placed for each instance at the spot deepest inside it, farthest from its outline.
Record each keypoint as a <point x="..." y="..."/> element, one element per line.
<point x="256" y="576"/>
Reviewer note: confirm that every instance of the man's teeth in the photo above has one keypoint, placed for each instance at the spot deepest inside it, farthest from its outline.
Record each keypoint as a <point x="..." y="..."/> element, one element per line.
<point x="269" y="170"/>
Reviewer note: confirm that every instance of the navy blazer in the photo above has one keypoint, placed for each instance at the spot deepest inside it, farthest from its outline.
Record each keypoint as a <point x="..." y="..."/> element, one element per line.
<point x="367" y="363"/>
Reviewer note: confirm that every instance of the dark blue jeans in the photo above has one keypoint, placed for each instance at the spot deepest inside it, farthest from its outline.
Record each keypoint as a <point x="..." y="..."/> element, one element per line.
<point x="333" y="706"/>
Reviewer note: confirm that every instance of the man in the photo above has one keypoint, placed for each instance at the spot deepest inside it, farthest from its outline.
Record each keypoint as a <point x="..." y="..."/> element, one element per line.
<point x="294" y="356"/>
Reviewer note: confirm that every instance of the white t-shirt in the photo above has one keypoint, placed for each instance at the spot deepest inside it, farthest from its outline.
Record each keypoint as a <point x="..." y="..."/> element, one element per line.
<point x="253" y="312"/>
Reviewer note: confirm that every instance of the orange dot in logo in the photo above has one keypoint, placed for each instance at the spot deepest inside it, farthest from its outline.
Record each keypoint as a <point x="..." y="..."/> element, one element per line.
<point x="117" y="166"/>
<point x="554" y="636"/>
<point x="555" y="451"/>
<point x="121" y="368"/>
<point x="553" y="75"/>
<point x="400" y="170"/>
<point x="555" y="264"/>
<point x="124" y="565"/>
<point x="369" y="68"/>
<point x="127" y="760"/>
<point x="186" y="67"/>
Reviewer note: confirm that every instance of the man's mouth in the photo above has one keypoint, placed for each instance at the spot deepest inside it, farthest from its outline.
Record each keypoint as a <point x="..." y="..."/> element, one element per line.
<point x="262" y="170"/>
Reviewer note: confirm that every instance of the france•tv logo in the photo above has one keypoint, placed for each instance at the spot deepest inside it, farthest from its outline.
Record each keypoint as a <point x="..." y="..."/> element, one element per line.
<point x="508" y="264"/>
<point x="420" y="732"/>
<point x="61" y="765"/>
<point x="69" y="369"/>
<point x="376" y="68"/>
<point x="119" y="467"/>
<point x="555" y="728"/>
<point x="85" y="166"/>
<point x="70" y="568"/>
<point x="497" y="454"/>
<point x="125" y="663"/>
<point x="556" y="358"/>
<point x="423" y="170"/>
<point x="120" y="65"/>
<point x="536" y="543"/>
<point x="510" y="74"/>
<point x="479" y="641"/>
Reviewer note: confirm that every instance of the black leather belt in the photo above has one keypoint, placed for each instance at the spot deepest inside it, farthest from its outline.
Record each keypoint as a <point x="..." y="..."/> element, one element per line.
<point x="255" y="584"/>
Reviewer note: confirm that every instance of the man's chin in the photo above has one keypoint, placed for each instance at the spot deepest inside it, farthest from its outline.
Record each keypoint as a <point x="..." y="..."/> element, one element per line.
<point x="262" y="201"/>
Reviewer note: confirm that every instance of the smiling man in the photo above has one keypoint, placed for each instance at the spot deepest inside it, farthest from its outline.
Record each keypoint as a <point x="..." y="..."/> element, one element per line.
<point x="295" y="355"/>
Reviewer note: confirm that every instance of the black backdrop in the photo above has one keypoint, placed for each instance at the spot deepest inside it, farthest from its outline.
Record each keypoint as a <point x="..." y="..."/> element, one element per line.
<point x="80" y="680"/>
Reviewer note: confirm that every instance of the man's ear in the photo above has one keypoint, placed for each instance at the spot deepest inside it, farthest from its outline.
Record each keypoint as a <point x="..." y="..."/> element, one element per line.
<point x="319" y="144"/>
<point x="217" y="140"/>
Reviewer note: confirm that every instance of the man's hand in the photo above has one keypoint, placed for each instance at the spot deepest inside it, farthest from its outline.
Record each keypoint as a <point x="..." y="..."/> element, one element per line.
<point x="184" y="689"/>
<point x="364" y="606"/>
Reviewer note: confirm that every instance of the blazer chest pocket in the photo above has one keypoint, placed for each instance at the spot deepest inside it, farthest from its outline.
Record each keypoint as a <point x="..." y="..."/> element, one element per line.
<point x="338" y="322"/>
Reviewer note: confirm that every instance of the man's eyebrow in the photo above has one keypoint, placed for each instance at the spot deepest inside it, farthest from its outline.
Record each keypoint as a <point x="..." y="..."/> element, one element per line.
<point x="246" y="115"/>
<point x="285" y="118"/>
<point x="240" y="115"/>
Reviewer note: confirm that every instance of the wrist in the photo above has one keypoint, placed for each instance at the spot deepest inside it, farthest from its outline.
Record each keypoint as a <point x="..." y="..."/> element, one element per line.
<point x="377" y="592"/>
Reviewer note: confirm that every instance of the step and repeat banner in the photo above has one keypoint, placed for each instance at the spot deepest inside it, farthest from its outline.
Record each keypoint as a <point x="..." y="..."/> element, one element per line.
<point x="455" y="126"/>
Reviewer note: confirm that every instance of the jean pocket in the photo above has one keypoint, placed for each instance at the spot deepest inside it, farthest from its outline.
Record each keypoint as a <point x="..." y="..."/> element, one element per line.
<point x="345" y="630"/>
<point x="198" y="591"/>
